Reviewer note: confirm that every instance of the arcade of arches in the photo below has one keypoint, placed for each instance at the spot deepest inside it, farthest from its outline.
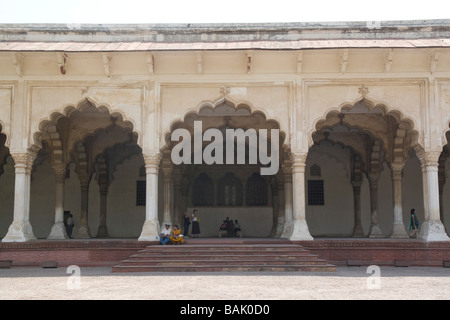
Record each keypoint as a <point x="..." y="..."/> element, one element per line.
<point x="356" y="151"/>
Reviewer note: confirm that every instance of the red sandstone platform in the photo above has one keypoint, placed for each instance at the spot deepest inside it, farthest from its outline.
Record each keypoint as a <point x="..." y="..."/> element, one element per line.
<point x="336" y="251"/>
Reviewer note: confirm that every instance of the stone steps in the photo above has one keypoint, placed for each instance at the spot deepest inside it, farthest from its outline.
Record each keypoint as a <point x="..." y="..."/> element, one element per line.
<point x="223" y="258"/>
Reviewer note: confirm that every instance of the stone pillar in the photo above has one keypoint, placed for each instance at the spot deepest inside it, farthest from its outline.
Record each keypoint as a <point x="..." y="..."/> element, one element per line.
<point x="178" y="214"/>
<point x="58" y="231"/>
<point x="168" y="196"/>
<point x="20" y="230"/>
<point x="83" y="230"/>
<point x="102" y="228"/>
<point x="399" y="230"/>
<point x="300" y="227"/>
<point x="288" y="219"/>
<point x="375" y="231"/>
<point x="281" y="200"/>
<point x="275" y="206"/>
<point x="357" y="229"/>
<point x="150" y="229"/>
<point x="432" y="228"/>
<point x="103" y="184"/>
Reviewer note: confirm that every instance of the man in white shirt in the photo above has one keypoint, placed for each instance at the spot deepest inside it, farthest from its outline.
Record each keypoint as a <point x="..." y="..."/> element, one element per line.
<point x="164" y="236"/>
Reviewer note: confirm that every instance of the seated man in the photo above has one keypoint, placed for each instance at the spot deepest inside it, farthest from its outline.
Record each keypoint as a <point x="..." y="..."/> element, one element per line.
<point x="223" y="228"/>
<point x="164" y="236"/>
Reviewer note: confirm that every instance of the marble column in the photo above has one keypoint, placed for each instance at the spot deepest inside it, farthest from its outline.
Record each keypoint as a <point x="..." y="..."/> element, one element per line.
<point x="281" y="214"/>
<point x="103" y="184"/>
<point x="150" y="229"/>
<point x="432" y="228"/>
<point x="288" y="219"/>
<point x="300" y="229"/>
<point x="275" y="207"/>
<point x="83" y="230"/>
<point x="399" y="230"/>
<point x="178" y="214"/>
<point x="21" y="230"/>
<point x="58" y="230"/>
<point x="375" y="230"/>
<point x="168" y="196"/>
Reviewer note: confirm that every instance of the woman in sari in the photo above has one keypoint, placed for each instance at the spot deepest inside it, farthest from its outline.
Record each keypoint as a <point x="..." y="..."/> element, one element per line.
<point x="175" y="236"/>
<point x="195" y="224"/>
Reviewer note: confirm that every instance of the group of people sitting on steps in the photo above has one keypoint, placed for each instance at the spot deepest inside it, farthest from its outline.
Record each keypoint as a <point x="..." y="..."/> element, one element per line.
<point x="230" y="228"/>
<point x="171" y="235"/>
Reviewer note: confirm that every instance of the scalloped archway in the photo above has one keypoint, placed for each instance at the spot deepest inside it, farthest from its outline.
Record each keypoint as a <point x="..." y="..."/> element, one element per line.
<point x="88" y="142"/>
<point x="259" y="216"/>
<point x="376" y="138"/>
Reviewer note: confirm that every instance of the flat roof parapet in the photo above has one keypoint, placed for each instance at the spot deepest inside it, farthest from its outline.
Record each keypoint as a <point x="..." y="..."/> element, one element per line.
<point x="226" y="32"/>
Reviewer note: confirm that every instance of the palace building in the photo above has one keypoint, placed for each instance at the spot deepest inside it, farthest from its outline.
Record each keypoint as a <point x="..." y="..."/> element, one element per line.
<point x="361" y="113"/>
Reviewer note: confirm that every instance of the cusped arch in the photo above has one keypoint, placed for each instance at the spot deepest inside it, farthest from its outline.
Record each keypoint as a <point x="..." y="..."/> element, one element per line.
<point x="5" y="137"/>
<point x="85" y="105"/>
<point x="405" y="126"/>
<point x="223" y="107"/>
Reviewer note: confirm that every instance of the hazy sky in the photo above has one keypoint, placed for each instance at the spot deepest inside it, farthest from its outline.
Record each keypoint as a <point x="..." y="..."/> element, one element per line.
<point x="213" y="11"/>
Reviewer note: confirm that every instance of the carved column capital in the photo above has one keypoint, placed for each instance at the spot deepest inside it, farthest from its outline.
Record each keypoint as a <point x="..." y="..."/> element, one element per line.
<point x="152" y="160"/>
<point x="23" y="161"/>
<point x="298" y="161"/>
<point x="60" y="174"/>
<point x="396" y="171"/>
<point x="431" y="158"/>
<point x="167" y="172"/>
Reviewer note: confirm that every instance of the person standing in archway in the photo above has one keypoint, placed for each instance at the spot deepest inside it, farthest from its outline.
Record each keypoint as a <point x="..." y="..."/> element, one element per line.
<point x="69" y="226"/>
<point x="195" y="224"/>
<point x="414" y="225"/>
<point x="187" y="223"/>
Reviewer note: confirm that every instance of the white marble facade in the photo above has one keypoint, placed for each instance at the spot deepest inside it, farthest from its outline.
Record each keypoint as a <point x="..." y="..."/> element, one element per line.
<point x="86" y="124"/>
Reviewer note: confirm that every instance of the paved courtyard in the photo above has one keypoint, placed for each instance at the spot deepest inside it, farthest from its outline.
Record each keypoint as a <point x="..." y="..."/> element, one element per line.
<point x="98" y="283"/>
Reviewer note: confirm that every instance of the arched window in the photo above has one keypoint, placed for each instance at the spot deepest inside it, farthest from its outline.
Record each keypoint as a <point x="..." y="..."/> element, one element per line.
<point x="315" y="171"/>
<point x="203" y="191"/>
<point x="229" y="191"/>
<point x="256" y="191"/>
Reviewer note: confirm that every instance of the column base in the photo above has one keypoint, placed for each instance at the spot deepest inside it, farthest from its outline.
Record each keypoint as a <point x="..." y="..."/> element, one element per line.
<point x="149" y="231"/>
<point x="287" y="230"/>
<point x="58" y="232"/>
<point x="102" y="232"/>
<point x="358" y="232"/>
<point x="375" y="232"/>
<point x="279" y="229"/>
<point x="83" y="233"/>
<point x="399" y="231"/>
<point x="300" y="231"/>
<point x="19" y="231"/>
<point x="433" y="230"/>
